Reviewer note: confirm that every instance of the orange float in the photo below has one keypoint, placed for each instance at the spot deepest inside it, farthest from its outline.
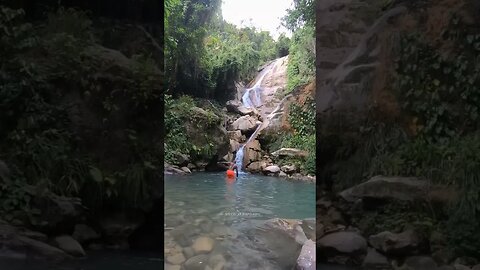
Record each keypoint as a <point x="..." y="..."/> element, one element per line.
<point x="230" y="173"/>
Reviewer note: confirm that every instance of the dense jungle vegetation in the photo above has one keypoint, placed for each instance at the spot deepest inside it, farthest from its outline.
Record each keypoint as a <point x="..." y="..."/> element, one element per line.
<point x="206" y="56"/>
<point x="81" y="107"/>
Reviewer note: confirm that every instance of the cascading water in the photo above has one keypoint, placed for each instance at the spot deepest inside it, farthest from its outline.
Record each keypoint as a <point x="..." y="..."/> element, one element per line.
<point x="248" y="103"/>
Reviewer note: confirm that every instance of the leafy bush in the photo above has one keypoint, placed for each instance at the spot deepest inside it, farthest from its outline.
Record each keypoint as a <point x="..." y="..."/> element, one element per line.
<point x="42" y="136"/>
<point x="301" y="61"/>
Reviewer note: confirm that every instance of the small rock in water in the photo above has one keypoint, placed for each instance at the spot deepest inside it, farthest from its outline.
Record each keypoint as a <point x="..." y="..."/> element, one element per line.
<point x="172" y="267"/>
<point x="203" y="244"/>
<point x="189" y="252"/>
<point x="217" y="262"/>
<point x="176" y="259"/>
<point x="186" y="169"/>
<point x="196" y="263"/>
<point x="69" y="245"/>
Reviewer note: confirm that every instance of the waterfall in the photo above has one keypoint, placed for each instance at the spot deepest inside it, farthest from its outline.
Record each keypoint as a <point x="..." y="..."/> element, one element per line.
<point x="248" y="103"/>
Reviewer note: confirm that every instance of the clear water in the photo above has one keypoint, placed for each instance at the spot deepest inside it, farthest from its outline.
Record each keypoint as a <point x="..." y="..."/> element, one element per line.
<point x="233" y="213"/>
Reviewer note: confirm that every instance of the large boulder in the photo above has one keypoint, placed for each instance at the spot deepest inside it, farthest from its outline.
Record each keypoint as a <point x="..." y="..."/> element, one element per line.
<point x="343" y="247"/>
<point x="417" y="263"/>
<point x="83" y="233"/>
<point x="246" y="124"/>
<point x="236" y="106"/>
<point x="252" y="152"/>
<point x="405" y="243"/>
<point x="376" y="261"/>
<point x="69" y="245"/>
<point x="394" y="188"/>
<point x="272" y="170"/>
<point x="289" y="169"/>
<point x="290" y="227"/>
<point x="290" y="152"/>
<point x="15" y="244"/>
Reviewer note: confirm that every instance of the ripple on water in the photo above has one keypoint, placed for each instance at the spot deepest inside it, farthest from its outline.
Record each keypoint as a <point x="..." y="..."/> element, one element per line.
<point x="232" y="215"/>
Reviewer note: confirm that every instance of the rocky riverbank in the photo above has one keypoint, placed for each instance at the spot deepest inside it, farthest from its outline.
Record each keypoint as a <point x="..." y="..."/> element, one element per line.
<point x="364" y="226"/>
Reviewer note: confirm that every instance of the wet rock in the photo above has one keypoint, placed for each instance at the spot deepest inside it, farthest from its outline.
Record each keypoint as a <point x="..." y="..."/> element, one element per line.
<point x="405" y="243"/>
<point x="181" y="159"/>
<point x="376" y="261"/>
<point x="256" y="166"/>
<point x="341" y="247"/>
<point x="203" y="244"/>
<point x="308" y="226"/>
<point x="290" y="227"/>
<point x="35" y="235"/>
<point x="185" y="170"/>
<point x="217" y="262"/>
<point x="189" y="252"/>
<point x="235" y="135"/>
<point x="289" y="169"/>
<point x="282" y="174"/>
<point x="176" y="259"/>
<point x="290" y="152"/>
<point x="118" y="227"/>
<point x="171" y="169"/>
<point x="307" y="257"/>
<point x="417" y="263"/>
<point x="42" y="249"/>
<point x="476" y="267"/>
<point x="252" y="152"/>
<point x="271" y="170"/>
<point x="234" y="145"/>
<point x="172" y="267"/>
<point x="236" y="106"/>
<point x="394" y="188"/>
<point x="83" y="233"/>
<point x="245" y="124"/>
<point x="461" y="267"/>
<point x="198" y="262"/>
<point x="69" y="245"/>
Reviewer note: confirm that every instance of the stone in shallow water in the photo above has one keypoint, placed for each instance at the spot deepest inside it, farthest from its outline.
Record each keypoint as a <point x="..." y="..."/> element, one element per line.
<point x="172" y="267"/>
<point x="375" y="260"/>
<point x="217" y="262"/>
<point x="189" y="252"/>
<point x="69" y="245"/>
<point x="306" y="259"/>
<point x="176" y="259"/>
<point x="196" y="263"/>
<point x="203" y="244"/>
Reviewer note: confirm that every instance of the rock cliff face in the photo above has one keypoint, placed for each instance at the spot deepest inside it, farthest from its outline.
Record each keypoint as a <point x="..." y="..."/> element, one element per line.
<point x="357" y="44"/>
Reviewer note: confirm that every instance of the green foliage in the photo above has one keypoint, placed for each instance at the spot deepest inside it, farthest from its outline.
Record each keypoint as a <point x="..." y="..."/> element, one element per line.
<point x="442" y="91"/>
<point x="282" y="46"/>
<point x="302" y="118"/>
<point x="301" y="61"/>
<point x="302" y="14"/>
<point x="397" y="217"/>
<point x="182" y="118"/>
<point x="42" y="136"/>
<point x="302" y="121"/>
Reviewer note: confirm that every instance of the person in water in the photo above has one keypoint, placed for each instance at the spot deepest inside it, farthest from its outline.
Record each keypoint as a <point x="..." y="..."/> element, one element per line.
<point x="233" y="166"/>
